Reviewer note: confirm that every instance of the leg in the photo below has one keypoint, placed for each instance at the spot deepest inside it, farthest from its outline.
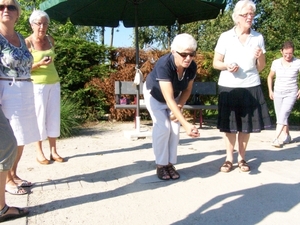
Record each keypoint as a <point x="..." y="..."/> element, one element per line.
<point x="40" y="157"/>
<point x="12" y="187"/>
<point x="53" y="153"/>
<point x="279" y="129"/>
<point x="160" y="133"/>
<point x="173" y="144"/>
<point x="286" y="130"/>
<point x="243" y="139"/>
<point x="13" y="170"/>
<point x="6" y="212"/>
<point x="17" y="181"/>
<point x="230" y="139"/>
<point x="3" y="176"/>
<point x="283" y="108"/>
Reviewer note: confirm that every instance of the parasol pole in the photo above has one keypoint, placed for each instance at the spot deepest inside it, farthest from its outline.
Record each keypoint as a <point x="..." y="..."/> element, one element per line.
<point x="137" y="73"/>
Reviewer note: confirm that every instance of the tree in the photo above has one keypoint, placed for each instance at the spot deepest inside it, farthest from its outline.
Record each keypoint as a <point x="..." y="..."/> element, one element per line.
<point x="278" y="21"/>
<point x="56" y="29"/>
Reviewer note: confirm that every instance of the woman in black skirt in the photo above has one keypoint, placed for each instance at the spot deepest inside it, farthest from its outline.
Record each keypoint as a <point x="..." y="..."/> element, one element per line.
<point x="239" y="54"/>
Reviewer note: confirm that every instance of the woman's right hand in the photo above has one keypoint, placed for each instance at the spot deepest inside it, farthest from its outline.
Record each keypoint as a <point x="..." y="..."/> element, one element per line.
<point x="46" y="60"/>
<point x="232" y="67"/>
<point x="271" y="95"/>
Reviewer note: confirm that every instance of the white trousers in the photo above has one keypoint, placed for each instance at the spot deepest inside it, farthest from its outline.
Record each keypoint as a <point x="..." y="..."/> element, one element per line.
<point x="47" y="107"/>
<point x="165" y="133"/>
<point x="284" y="103"/>
<point x="17" y="101"/>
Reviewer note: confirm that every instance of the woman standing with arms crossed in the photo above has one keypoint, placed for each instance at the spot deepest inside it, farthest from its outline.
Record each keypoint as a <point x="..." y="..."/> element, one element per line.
<point x="46" y="85"/>
<point x="166" y="90"/>
<point x="286" y="90"/>
<point x="239" y="55"/>
<point x="16" y="88"/>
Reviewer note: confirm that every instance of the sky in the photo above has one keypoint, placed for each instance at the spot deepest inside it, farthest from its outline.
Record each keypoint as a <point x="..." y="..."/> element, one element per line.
<point x="123" y="37"/>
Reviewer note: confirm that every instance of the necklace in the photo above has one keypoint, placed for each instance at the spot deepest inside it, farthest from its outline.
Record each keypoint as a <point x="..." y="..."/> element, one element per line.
<point x="180" y="78"/>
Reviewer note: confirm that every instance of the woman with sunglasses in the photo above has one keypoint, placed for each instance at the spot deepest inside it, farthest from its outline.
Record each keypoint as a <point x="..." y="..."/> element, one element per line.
<point x="46" y="85"/>
<point x="239" y="54"/>
<point x="166" y="90"/>
<point x="16" y="88"/>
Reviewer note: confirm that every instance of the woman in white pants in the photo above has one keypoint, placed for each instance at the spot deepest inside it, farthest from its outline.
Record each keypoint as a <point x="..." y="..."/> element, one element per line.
<point x="286" y="69"/>
<point x="166" y="90"/>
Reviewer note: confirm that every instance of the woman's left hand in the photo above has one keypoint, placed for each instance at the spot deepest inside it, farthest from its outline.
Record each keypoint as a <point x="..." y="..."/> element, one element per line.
<point x="193" y="132"/>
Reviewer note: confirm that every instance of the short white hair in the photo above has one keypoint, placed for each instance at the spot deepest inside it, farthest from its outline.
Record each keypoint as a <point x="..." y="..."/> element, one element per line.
<point x="239" y="7"/>
<point x="184" y="41"/>
<point x="38" y="14"/>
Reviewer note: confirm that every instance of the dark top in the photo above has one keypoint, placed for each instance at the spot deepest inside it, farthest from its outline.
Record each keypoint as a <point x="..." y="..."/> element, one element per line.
<point x="165" y="70"/>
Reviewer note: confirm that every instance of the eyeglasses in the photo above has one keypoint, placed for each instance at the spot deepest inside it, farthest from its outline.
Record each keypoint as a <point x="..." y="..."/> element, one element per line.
<point x="247" y="14"/>
<point x="186" y="54"/>
<point x="41" y="24"/>
<point x="8" y="7"/>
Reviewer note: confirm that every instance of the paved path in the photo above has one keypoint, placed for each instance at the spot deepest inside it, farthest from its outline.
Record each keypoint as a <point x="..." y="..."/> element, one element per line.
<point x="109" y="179"/>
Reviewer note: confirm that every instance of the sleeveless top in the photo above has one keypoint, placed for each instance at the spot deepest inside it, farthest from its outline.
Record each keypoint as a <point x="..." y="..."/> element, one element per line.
<point x="15" y="62"/>
<point x="45" y="74"/>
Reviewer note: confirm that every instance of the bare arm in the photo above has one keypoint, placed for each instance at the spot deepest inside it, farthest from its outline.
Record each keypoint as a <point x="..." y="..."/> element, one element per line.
<point x="270" y="83"/>
<point x="260" y="59"/>
<point x="167" y="91"/>
<point x="218" y="63"/>
<point x="186" y="93"/>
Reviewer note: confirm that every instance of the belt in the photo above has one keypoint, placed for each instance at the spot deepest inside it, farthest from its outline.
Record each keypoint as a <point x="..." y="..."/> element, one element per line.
<point x="16" y="79"/>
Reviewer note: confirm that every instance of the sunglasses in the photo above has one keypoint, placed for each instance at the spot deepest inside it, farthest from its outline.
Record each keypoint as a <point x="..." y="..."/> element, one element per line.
<point x="8" y="7"/>
<point x="186" y="54"/>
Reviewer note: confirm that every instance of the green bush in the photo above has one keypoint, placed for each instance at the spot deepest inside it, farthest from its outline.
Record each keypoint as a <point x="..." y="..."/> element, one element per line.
<point x="78" y="62"/>
<point x="70" y="120"/>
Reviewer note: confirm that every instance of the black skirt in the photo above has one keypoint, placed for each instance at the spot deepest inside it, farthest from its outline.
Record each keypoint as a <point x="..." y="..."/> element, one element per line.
<point x="242" y="110"/>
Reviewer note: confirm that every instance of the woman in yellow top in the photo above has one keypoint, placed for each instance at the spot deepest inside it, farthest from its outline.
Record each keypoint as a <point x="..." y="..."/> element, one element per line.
<point x="46" y="84"/>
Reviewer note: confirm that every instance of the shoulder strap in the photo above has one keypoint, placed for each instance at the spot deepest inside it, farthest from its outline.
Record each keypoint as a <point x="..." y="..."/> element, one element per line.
<point x="49" y="41"/>
<point x="31" y="44"/>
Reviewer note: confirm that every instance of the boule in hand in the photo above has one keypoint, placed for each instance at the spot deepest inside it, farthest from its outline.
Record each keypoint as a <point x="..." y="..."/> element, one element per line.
<point x="233" y="65"/>
<point x="172" y="116"/>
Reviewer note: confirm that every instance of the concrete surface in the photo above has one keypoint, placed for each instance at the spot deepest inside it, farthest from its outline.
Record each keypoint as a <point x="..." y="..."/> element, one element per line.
<point x="109" y="179"/>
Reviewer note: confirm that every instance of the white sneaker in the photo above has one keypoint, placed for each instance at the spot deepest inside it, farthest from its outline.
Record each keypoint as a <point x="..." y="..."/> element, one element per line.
<point x="276" y="143"/>
<point x="287" y="139"/>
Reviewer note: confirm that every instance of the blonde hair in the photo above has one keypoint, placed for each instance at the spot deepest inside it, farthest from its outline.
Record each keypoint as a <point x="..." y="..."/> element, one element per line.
<point x="183" y="41"/>
<point x="240" y="5"/>
<point x="15" y="3"/>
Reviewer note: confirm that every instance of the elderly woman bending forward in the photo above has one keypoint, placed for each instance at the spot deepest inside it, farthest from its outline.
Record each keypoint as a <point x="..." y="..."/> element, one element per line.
<point x="166" y="90"/>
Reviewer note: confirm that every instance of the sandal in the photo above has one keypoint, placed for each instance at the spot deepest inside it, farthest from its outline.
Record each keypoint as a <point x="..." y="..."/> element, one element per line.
<point x="226" y="167"/>
<point x="4" y="215"/>
<point x="15" y="190"/>
<point x="23" y="183"/>
<point x="162" y="173"/>
<point x="172" y="171"/>
<point x="244" y="167"/>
